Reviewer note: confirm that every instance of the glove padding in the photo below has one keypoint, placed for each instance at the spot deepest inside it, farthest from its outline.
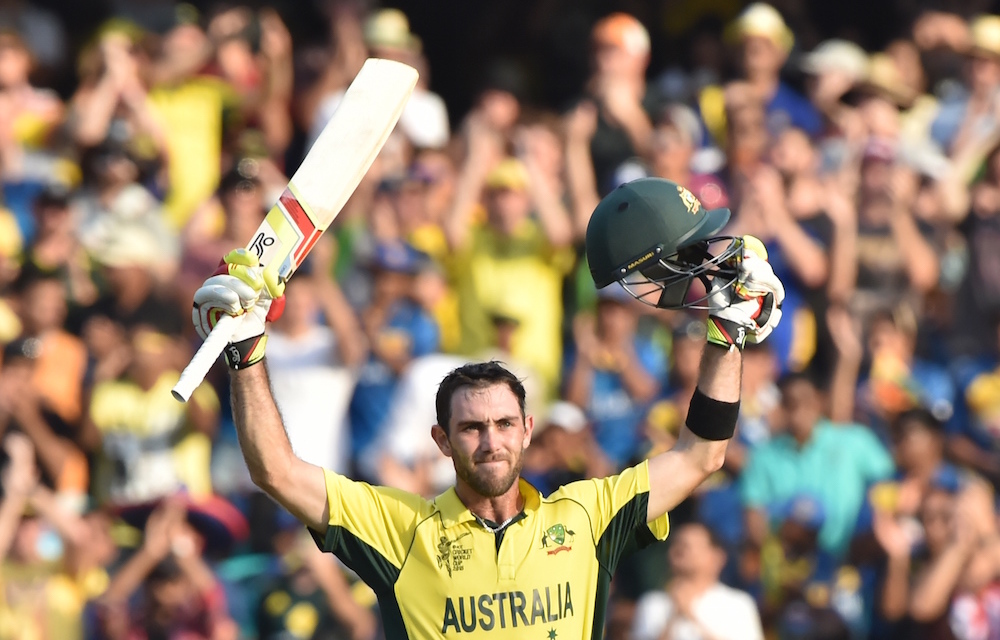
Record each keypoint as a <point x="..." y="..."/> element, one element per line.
<point x="239" y="287"/>
<point x="750" y="309"/>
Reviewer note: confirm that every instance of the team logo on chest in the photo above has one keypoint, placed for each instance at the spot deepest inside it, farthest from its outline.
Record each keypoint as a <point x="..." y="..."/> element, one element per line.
<point x="557" y="538"/>
<point x="452" y="555"/>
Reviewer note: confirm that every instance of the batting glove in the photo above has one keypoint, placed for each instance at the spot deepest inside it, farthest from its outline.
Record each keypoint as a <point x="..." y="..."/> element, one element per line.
<point x="750" y="308"/>
<point x="240" y="288"/>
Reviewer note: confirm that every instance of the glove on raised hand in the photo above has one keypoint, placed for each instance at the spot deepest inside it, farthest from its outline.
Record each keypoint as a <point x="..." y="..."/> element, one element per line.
<point x="239" y="287"/>
<point x="750" y="309"/>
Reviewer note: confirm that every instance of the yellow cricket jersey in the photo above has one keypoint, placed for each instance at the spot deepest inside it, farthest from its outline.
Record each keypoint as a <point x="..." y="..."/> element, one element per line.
<point x="439" y="574"/>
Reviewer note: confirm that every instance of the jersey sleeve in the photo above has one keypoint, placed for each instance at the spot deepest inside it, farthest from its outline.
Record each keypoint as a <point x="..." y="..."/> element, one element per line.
<point x="370" y="527"/>
<point x="617" y="508"/>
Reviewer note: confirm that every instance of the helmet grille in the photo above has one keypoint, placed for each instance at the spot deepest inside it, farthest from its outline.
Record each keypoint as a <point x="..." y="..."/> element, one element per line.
<point x="666" y="283"/>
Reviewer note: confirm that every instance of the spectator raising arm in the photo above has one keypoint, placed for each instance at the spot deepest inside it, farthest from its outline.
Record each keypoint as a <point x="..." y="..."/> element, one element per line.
<point x="580" y="125"/>
<point x="973" y="517"/>
<point x="19" y="479"/>
<point x="806" y="257"/>
<point x="842" y="212"/>
<point x="921" y="260"/>
<point x="844" y="381"/>
<point x="485" y="148"/>
<point x="545" y="196"/>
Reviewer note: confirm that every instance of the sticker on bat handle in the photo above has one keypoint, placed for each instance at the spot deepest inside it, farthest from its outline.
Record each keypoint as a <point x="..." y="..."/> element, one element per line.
<point x="260" y="242"/>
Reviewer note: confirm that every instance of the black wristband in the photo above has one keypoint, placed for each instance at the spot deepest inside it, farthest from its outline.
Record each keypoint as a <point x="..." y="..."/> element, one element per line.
<point x="712" y="419"/>
<point x="246" y="353"/>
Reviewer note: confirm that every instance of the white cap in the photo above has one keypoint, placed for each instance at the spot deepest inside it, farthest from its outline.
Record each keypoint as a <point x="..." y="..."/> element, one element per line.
<point x="566" y="415"/>
<point x="837" y="55"/>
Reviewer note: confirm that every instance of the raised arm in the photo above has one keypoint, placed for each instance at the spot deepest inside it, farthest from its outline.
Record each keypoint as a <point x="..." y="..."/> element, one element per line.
<point x="297" y="485"/>
<point x="241" y="290"/>
<point x="580" y="124"/>
<point x="734" y="317"/>
<point x="674" y="474"/>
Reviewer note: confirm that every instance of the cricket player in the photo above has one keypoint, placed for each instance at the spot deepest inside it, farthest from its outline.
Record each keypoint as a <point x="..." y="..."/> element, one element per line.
<point x="491" y="557"/>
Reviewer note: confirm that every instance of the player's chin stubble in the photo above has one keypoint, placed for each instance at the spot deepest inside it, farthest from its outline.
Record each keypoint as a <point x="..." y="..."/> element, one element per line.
<point x="487" y="484"/>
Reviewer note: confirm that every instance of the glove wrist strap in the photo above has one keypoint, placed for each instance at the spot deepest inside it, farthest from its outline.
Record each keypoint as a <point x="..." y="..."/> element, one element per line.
<point x="726" y="333"/>
<point x="245" y="353"/>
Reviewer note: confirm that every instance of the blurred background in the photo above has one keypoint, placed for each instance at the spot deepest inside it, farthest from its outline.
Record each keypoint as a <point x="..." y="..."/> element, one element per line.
<point x="140" y="141"/>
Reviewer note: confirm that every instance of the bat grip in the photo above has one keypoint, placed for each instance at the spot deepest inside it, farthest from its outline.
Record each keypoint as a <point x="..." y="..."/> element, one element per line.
<point x="207" y="354"/>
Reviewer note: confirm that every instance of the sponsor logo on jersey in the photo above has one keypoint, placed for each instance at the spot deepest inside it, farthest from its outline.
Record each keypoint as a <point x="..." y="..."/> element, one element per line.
<point x="507" y="609"/>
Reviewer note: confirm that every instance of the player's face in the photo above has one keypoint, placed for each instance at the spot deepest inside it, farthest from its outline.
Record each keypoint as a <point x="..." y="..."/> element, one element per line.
<point x="486" y="438"/>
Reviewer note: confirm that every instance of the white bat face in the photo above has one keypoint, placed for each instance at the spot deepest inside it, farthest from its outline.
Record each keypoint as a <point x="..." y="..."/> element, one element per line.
<point x="329" y="174"/>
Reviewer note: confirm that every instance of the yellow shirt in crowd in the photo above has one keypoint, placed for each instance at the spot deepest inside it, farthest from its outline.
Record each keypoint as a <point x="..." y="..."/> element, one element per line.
<point x="520" y="277"/>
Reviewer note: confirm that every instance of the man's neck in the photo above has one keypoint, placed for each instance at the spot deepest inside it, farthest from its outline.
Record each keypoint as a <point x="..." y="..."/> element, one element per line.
<point x="801" y="439"/>
<point x="498" y="509"/>
<point x="697" y="584"/>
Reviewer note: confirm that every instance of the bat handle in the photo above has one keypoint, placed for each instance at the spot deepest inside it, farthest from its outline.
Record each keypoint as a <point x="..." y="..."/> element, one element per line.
<point x="207" y="354"/>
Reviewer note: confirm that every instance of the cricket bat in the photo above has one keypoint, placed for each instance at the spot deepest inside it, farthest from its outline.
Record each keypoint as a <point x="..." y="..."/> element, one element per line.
<point x="318" y="190"/>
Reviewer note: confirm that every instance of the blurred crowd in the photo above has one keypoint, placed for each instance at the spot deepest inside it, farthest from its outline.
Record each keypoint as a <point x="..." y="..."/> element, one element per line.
<point x="858" y="499"/>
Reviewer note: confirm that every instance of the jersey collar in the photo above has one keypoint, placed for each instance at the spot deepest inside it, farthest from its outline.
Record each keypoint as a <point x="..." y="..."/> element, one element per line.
<point x="453" y="511"/>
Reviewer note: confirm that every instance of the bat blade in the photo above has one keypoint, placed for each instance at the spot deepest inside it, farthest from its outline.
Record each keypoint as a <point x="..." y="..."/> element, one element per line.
<point x="319" y="189"/>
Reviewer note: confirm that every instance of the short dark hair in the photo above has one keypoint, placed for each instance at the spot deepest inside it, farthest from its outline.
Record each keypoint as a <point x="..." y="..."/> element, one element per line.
<point x="714" y="539"/>
<point x="478" y="375"/>
<point x="921" y="416"/>
<point x="788" y="379"/>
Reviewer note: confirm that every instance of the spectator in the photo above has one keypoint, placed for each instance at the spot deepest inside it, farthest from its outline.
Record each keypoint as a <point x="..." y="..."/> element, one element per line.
<point x="563" y="449"/>
<point x="511" y="258"/>
<point x="197" y="112"/>
<point x="807" y="453"/>
<point x="676" y="141"/>
<point x="24" y="409"/>
<point x="31" y="553"/>
<point x="113" y="198"/>
<point x="796" y="233"/>
<point x="424" y="121"/>
<point x="28" y="118"/>
<point x="766" y="42"/>
<point x="61" y="358"/>
<point x="400" y="457"/>
<point x="897" y="380"/>
<point x="833" y="68"/>
<point x="614" y="374"/>
<point x="222" y="222"/>
<point x="310" y="597"/>
<point x="397" y="330"/>
<point x="689" y="606"/>
<point x="971" y="441"/>
<point x="617" y="86"/>
<point x="895" y="261"/>
<point x="148" y="445"/>
<point x="970" y="112"/>
<point x="960" y="582"/>
<point x="112" y="101"/>
<point x="795" y="573"/>
<point x="253" y="53"/>
<point x="180" y="595"/>
<point x="56" y="245"/>
<point x="133" y="292"/>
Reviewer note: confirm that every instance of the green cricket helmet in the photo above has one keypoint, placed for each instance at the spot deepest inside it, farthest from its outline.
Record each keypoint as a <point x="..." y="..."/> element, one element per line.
<point x="655" y="238"/>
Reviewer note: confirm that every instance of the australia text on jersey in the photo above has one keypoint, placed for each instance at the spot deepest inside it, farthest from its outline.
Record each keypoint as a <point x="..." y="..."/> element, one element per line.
<point x="508" y="608"/>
